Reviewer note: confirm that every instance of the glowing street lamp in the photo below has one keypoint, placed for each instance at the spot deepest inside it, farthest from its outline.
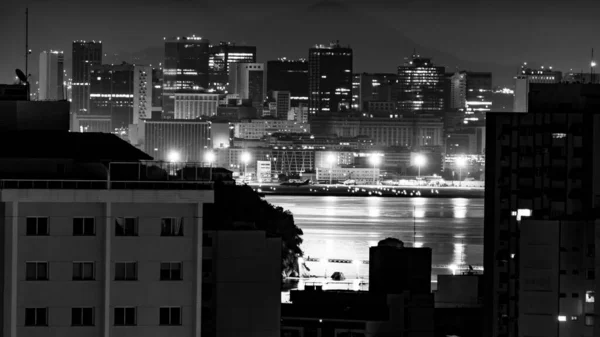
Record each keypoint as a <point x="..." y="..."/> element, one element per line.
<point x="246" y="160"/>
<point x="330" y="159"/>
<point x="460" y="163"/>
<point x="375" y="160"/>
<point x="420" y="160"/>
<point x="174" y="156"/>
<point x="210" y="158"/>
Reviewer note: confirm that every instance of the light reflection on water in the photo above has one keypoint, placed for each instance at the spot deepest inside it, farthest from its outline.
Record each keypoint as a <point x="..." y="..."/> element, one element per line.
<point x="345" y="228"/>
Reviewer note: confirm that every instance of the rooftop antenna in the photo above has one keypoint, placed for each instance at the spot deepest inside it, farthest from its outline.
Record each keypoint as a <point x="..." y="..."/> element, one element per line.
<point x="592" y="65"/>
<point x="27" y="52"/>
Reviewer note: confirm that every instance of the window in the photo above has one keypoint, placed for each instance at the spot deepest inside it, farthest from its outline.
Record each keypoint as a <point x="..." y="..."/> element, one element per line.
<point x="591" y="250"/>
<point x="575" y="295"/>
<point x="82" y="317"/>
<point x="36" y="317"/>
<point x="84" y="226"/>
<point x="207" y="293"/>
<point x="126" y="271"/>
<point x="125" y="316"/>
<point x="83" y="271"/>
<point x="36" y="271"/>
<point x="207" y="266"/>
<point x="170" y="316"/>
<point x="126" y="226"/>
<point x="589" y="320"/>
<point x="590" y="296"/>
<point x="207" y="240"/>
<point x="591" y="274"/>
<point x="170" y="271"/>
<point x="171" y="227"/>
<point x="37" y="226"/>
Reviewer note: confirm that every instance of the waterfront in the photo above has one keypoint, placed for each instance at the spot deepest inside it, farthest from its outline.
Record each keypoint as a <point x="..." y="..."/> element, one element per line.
<point x="337" y="227"/>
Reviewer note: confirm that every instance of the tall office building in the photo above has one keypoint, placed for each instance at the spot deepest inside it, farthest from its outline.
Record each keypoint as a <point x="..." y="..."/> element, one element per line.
<point x="329" y="78"/>
<point x="289" y="75"/>
<point x="121" y="92"/>
<point x="471" y="91"/>
<point x="371" y="88"/>
<point x="281" y="102"/>
<point x="527" y="76"/>
<point x="221" y="58"/>
<point x="248" y="80"/>
<point x="542" y="193"/>
<point x="185" y="69"/>
<point x="420" y="85"/>
<point x="51" y="81"/>
<point x="85" y="55"/>
<point x="157" y="91"/>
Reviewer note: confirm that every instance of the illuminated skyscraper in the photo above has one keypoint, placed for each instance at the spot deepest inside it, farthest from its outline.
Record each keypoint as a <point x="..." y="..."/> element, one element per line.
<point x="85" y="55"/>
<point x="420" y="85"/>
<point x="248" y="80"/>
<point x="289" y="75"/>
<point x="221" y="57"/>
<point x="185" y="69"/>
<point x="471" y="91"/>
<point x="51" y="75"/>
<point x="371" y="88"/>
<point x="329" y="78"/>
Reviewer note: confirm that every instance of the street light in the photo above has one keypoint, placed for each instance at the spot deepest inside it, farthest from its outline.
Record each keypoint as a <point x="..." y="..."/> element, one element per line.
<point x="331" y="159"/>
<point x="173" y="156"/>
<point x="420" y="160"/>
<point x="375" y="160"/>
<point x="210" y="158"/>
<point x="460" y="163"/>
<point x="246" y="160"/>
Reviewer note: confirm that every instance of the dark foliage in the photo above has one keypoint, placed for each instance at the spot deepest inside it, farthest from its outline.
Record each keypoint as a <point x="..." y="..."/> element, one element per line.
<point x="236" y="205"/>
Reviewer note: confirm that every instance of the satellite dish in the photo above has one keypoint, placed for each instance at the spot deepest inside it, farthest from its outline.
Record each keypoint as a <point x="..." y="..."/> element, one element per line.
<point x="21" y="75"/>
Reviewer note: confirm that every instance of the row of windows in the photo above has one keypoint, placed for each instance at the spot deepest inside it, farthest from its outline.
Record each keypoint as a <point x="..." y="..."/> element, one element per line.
<point x="86" y="226"/>
<point x="124" y="271"/>
<point x="124" y="316"/>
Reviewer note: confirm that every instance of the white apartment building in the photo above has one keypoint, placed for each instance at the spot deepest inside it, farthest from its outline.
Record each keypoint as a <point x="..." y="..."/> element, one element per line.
<point x="142" y="93"/>
<point x="340" y="174"/>
<point x="258" y="128"/>
<point x="195" y="105"/>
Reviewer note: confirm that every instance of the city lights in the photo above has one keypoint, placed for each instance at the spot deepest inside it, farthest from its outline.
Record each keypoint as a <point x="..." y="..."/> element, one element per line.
<point x="174" y="156"/>
<point x="420" y="161"/>
<point x="210" y="157"/>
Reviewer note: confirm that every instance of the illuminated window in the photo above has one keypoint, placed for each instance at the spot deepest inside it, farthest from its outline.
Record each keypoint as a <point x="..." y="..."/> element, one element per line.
<point x="562" y="318"/>
<point x="590" y="296"/>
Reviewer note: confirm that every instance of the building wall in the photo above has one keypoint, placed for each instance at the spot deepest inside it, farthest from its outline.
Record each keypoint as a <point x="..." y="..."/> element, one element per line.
<point x="193" y="106"/>
<point x="289" y="75"/>
<point x="190" y="138"/>
<point x="258" y="128"/>
<point x="330" y="79"/>
<point x="249" y="81"/>
<point x="142" y="93"/>
<point x="61" y="248"/>
<point x="51" y="75"/>
<point x="361" y="175"/>
<point x="85" y="55"/>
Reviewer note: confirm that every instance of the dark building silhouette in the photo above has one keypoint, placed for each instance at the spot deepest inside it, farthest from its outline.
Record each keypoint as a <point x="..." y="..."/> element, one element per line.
<point x="542" y="191"/>
<point x="372" y="88"/>
<point x="24" y="115"/>
<point x="329" y="78"/>
<point x="157" y="91"/>
<point x="222" y="56"/>
<point x="85" y="55"/>
<point x="111" y="93"/>
<point x="185" y="69"/>
<point x="420" y="85"/>
<point x="289" y="75"/>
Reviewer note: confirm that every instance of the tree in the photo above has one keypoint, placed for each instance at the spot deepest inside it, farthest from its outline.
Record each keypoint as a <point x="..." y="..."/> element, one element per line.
<point x="235" y="204"/>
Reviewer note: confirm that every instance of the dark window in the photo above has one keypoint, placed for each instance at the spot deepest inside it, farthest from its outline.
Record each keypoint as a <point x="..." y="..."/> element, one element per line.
<point x="207" y="240"/>
<point x="575" y="295"/>
<point x="82" y="316"/>
<point x="575" y="272"/>
<point x="36" y="317"/>
<point x="589" y="320"/>
<point x="36" y="271"/>
<point x="591" y="274"/>
<point x="170" y="316"/>
<point x="126" y="226"/>
<point x="207" y="266"/>
<point x="207" y="292"/>
<point x="126" y="271"/>
<point x="562" y="295"/>
<point x="84" y="226"/>
<point x="125" y="316"/>
<point x="83" y="271"/>
<point x="171" y="271"/>
<point x="591" y="250"/>
<point x="563" y="272"/>
<point x="171" y="227"/>
<point x="37" y="226"/>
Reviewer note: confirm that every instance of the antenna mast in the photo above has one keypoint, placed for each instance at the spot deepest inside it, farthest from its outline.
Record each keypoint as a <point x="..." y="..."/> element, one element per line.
<point x="592" y="64"/>
<point x="27" y="42"/>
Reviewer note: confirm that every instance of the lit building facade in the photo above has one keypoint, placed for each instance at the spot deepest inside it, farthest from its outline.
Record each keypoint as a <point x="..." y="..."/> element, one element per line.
<point x="258" y="128"/>
<point x="142" y="93"/>
<point x="221" y="58"/>
<point x="471" y="91"/>
<point x="185" y="69"/>
<point x="196" y="105"/>
<point x="189" y="139"/>
<point x="85" y="55"/>
<point x="298" y="114"/>
<point x="289" y="75"/>
<point x="329" y="78"/>
<point x="51" y="82"/>
<point x="420" y="86"/>
<point x="540" y="240"/>
<point x="368" y="88"/>
<point x="248" y="80"/>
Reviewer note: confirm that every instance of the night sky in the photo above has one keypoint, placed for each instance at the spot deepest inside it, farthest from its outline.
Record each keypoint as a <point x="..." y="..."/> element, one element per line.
<point x="481" y="35"/>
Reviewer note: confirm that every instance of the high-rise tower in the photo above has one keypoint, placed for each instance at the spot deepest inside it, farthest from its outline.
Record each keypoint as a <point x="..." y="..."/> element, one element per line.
<point x="85" y="55"/>
<point x="51" y="75"/>
<point x="420" y="85"/>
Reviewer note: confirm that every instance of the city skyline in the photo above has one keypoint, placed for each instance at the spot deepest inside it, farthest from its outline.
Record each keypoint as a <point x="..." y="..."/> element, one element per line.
<point x="499" y="53"/>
